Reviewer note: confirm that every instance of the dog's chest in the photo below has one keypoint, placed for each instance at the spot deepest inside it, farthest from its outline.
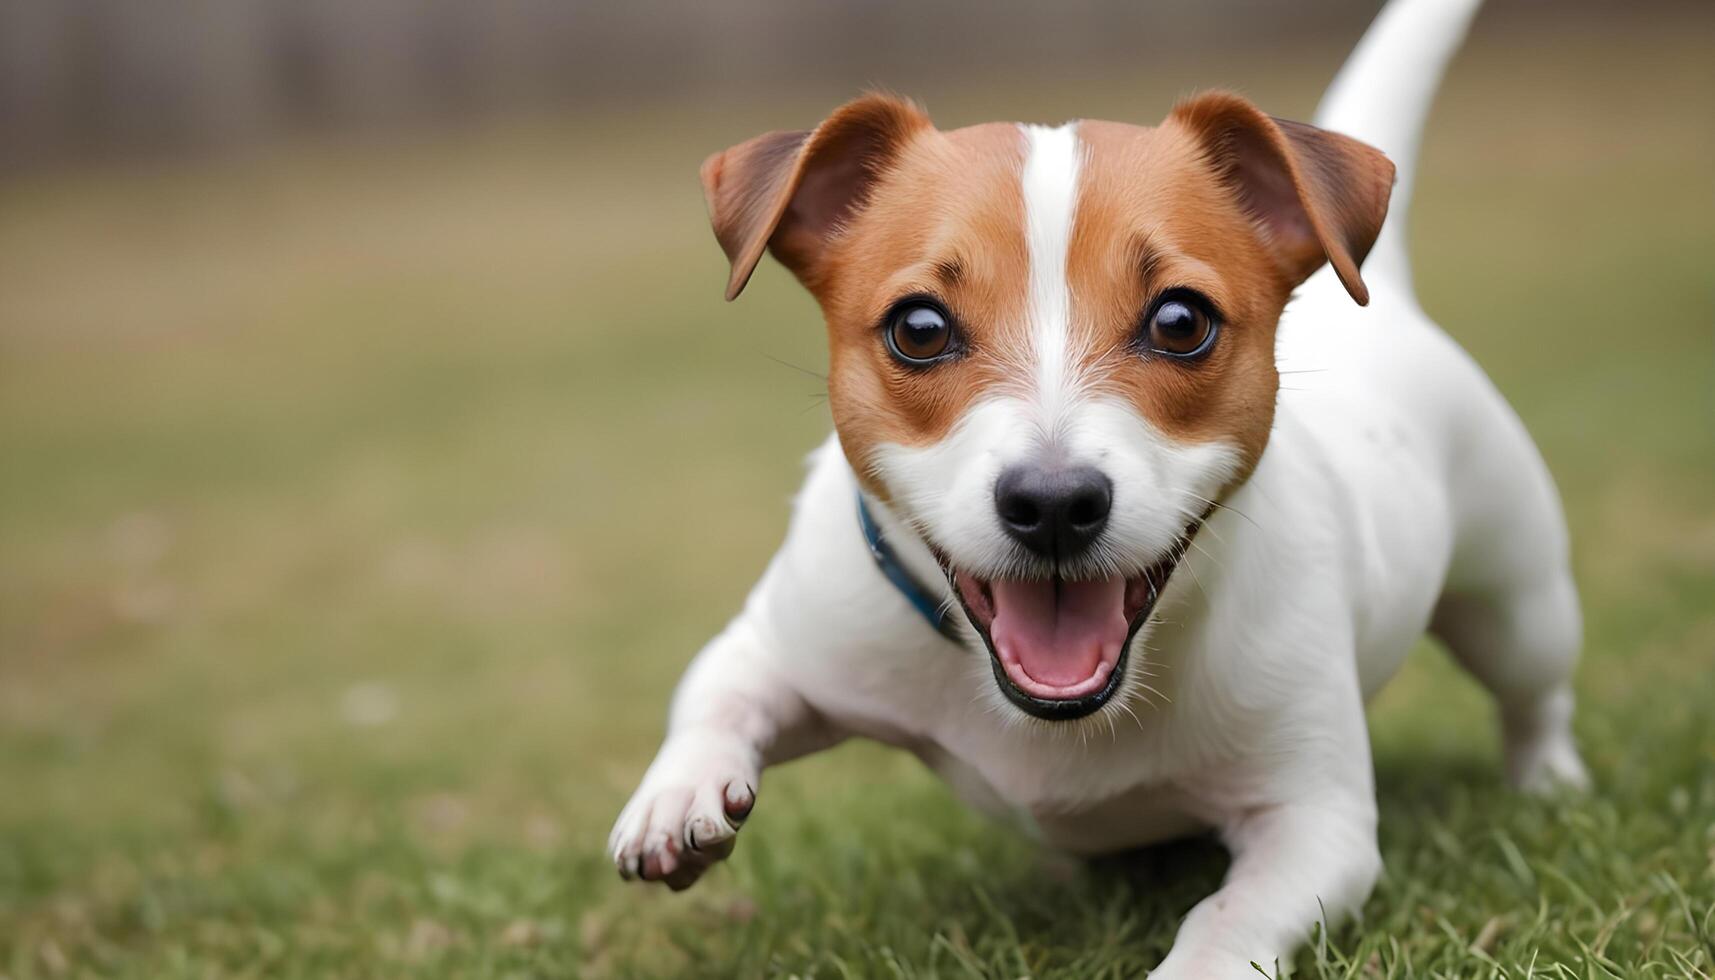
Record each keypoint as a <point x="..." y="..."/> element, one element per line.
<point x="1143" y="814"/>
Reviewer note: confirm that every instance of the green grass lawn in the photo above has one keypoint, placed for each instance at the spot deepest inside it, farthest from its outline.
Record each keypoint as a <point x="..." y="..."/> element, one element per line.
<point x="360" y="504"/>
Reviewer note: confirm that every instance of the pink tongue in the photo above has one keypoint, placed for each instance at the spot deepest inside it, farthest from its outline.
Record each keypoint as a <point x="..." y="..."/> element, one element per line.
<point x="1059" y="632"/>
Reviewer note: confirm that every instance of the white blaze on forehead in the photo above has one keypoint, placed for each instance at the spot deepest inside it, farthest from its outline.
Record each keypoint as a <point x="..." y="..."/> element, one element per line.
<point x="1050" y="182"/>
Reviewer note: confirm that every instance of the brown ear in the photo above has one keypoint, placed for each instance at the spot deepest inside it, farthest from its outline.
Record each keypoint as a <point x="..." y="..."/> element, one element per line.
<point x="790" y="191"/>
<point x="1317" y="195"/>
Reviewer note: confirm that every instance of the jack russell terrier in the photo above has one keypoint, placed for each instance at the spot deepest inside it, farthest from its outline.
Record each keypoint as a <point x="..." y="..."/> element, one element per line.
<point x="1072" y="545"/>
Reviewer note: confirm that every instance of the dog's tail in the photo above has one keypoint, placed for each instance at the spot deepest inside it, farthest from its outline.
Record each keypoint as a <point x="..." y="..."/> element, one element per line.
<point x="1382" y="96"/>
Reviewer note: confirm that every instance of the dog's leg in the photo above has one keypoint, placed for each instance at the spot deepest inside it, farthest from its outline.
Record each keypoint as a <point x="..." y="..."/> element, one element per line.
<point x="1509" y="608"/>
<point x="732" y="715"/>
<point x="1294" y="865"/>
<point x="1521" y="641"/>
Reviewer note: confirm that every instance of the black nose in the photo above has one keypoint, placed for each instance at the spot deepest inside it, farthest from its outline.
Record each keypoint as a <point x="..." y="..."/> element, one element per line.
<point x="1055" y="511"/>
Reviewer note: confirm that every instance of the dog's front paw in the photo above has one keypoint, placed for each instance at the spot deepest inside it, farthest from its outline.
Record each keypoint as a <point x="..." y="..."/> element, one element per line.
<point x="685" y="815"/>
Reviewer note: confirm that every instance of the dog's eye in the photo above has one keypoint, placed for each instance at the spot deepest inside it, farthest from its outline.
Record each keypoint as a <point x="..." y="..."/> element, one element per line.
<point x="919" y="333"/>
<point x="1180" y="325"/>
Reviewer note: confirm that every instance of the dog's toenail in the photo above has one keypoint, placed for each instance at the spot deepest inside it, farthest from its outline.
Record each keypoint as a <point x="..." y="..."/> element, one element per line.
<point x="738" y="810"/>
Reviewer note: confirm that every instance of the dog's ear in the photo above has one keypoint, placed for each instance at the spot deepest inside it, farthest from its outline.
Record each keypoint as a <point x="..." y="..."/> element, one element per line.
<point x="789" y="191"/>
<point x="1316" y="195"/>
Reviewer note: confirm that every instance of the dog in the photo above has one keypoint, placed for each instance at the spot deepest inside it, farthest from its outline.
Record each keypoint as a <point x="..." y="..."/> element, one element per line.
<point x="1073" y="542"/>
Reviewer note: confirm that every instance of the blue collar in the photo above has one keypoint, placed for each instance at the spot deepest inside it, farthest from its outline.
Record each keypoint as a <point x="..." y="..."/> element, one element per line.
<point x="931" y="608"/>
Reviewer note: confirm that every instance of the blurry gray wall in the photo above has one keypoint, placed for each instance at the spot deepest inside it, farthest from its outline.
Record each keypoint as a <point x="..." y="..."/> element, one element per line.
<point x="91" y="78"/>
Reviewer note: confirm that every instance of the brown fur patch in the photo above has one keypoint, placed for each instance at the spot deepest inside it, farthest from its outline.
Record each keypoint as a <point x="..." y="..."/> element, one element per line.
<point x="945" y="219"/>
<point x="1151" y="216"/>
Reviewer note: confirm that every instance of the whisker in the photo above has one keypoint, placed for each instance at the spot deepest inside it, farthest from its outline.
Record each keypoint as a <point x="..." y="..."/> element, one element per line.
<point x="1214" y="533"/>
<point x="1135" y="719"/>
<point x="1205" y="553"/>
<point x="1227" y="507"/>
<point x="801" y="370"/>
<point x="1197" y="581"/>
<point x="1150" y="690"/>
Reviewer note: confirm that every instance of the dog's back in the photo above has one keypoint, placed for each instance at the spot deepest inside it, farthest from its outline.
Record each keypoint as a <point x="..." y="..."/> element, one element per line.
<point x="1433" y="456"/>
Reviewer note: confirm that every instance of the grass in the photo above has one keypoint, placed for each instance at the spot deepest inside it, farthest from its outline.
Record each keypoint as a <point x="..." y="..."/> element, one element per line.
<point x="360" y="503"/>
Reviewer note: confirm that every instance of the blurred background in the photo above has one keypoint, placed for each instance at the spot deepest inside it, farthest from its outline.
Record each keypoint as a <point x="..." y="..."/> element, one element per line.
<point x="375" y="450"/>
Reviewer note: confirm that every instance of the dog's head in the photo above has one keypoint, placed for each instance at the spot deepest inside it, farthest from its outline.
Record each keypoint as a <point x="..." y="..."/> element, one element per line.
<point x="1052" y="349"/>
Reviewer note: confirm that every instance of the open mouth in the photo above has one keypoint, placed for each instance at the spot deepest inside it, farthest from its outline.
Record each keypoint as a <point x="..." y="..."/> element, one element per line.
<point x="1058" y="646"/>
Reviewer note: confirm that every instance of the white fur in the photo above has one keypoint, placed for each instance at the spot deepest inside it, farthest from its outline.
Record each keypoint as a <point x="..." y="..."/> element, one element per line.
<point x="1050" y="185"/>
<point x="1398" y="492"/>
<point x="947" y="487"/>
